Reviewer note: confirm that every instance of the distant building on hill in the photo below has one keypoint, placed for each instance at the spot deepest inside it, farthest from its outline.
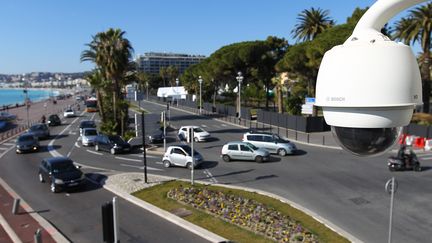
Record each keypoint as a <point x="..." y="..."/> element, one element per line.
<point x="152" y="62"/>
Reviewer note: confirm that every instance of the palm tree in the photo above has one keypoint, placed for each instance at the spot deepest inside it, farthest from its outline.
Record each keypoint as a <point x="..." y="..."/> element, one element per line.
<point x="96" y="81"/>
<point x="417" y="27"/>
<point x="111" y="52"/>
<point x="311" y="23"/>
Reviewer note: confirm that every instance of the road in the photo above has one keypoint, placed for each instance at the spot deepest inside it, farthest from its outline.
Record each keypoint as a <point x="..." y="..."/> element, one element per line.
<point x="346" y="190"/>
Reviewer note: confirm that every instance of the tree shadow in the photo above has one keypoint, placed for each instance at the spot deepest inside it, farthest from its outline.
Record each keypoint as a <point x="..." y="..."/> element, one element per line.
<point x="44" y="148"/>
<point x="231" y="130"/>
<point x="207" y="165"/>
<point x="254" y="179"/>
<point x="299" y="152"/>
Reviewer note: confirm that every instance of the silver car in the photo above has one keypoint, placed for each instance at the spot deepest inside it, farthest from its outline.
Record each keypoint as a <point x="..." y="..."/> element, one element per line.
<point x="180" y="155"/>
<point x="270" y="141"/>
<point x="88" y="136"/>
<point x="244" y="151"/>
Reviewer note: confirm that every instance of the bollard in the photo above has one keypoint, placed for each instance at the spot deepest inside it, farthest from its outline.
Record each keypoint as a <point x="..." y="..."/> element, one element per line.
<point x="295" y="134"/>
<point x="15" y="206"/>
<point x="323" y="143"/>
<point x="38" y="236"/>
<point x="308" y="138"/>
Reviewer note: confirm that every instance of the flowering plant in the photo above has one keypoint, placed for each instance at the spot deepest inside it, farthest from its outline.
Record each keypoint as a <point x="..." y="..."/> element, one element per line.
<point x="244" y="212"/>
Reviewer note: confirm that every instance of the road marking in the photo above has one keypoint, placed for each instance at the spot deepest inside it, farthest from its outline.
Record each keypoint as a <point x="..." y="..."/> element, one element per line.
<point x="426" y="158"/>
<point x="224" y="125"/>
<point x="72" y="133"/>
<point x="94" y="152"/>
<point x="1" y="148"/>
<point x="9" y="144"/>
<point x="141" y="167"/>
<point x="128" y="159"/>
<point x="210" y="176"/>
<point x="159" y="163"/>
<point x="148" y="156"/>
<point x="203" y="125"/>
<point x="77" y="145"/>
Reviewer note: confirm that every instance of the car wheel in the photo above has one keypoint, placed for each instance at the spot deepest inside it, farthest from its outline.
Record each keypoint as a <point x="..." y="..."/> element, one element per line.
<point x="166" y="164"/>
<point x="189" y="165"/>
<point x="282" y="152"/>
<point x="112" y="151"/>
<point x="226" y="158"/>
<point x="97" y="147"/>
<point x="53" y="187"/>
<point x="259" y="159"/>
<point x="417" y="167"/>
<point x="196" y="139"/>
<point x="391" y="168"/>
<point x="41" y="179"/>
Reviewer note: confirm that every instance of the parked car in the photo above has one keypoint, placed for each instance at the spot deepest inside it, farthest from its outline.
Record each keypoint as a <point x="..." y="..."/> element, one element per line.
<point x="69" y="112"/>
<point x="272" y="142"/>
<point x="61" y="173"/>
<point x="181" y="155"/>
<point x="27" y="143"/>
<point x="200" y="134"/>
<point x="88" y="136"/>
<point x="111" y="143"/>
<point x="39" y="130"/>
<point x="54" y="120"/>
<point x="244" y="151"/>
<point x="156" y="137"/>
<point x="86" y="124"/>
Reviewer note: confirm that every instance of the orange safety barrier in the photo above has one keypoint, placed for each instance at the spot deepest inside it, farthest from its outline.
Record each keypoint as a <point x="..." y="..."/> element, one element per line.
<point x="419" y="142"/>
<point x="402" y="139"/>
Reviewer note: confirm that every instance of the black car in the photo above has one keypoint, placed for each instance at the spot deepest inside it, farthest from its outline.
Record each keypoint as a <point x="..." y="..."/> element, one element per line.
<point x="111" y="143"/>
<point x="27" y="143"/>
<point x="54" y="120"/>
<point x="40" y="130"/>
<point x="156" y="137"/>
<point x="86" y="124"/>
<point x="61" y="173"/>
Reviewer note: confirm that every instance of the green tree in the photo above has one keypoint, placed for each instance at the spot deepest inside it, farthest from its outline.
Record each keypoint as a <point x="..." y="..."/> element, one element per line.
<point x="417" y="27"/>
<point x="311" y="23"/>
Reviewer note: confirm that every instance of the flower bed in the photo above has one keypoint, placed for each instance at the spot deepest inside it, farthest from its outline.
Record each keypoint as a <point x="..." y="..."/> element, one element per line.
<point x="246" y="213"/>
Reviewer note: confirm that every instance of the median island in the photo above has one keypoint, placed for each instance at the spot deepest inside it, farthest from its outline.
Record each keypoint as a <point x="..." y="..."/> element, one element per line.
<point x="237" y="215"/>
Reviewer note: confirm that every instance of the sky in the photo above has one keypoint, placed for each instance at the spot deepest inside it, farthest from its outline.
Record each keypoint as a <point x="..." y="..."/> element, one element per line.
<point x="49" y="35"/>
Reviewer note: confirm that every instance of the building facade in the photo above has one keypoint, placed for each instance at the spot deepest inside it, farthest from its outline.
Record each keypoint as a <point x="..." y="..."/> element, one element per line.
<point x="152" y="62"/>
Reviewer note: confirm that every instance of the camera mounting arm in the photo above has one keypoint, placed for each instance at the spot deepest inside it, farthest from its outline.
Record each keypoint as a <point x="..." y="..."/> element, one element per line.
<point x="377" y="16"/>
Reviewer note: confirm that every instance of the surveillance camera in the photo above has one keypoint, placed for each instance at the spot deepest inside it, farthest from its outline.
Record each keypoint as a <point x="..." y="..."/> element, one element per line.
<point x="368" y="91"/>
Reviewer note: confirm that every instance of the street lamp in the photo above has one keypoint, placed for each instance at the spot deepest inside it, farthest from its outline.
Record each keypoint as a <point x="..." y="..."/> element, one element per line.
<point x="200" y="80"/>
<point x="239" y="80"/>
<point x="147" y="84"/>
<point x="177" y="84"/>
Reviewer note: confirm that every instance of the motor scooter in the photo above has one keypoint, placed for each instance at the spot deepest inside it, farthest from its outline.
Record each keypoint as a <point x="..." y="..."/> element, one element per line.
<point x="404" y="162"/>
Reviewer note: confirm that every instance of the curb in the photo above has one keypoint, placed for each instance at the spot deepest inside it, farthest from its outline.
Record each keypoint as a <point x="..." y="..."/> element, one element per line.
<point x="9" y="231"/>
<point x="48" y="227"/>
<point x="210" y="236"/>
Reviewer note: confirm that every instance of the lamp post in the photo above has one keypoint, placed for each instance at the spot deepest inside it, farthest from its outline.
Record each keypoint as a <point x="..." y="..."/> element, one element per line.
<point x="200" y="80"/>
<point x="239" y="80"/>
<point x="177" y="84"/>
<point x="147" y="95"/>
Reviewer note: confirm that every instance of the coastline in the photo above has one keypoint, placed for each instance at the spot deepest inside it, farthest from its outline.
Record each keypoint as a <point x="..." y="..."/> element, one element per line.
<point x="50" y="94"/>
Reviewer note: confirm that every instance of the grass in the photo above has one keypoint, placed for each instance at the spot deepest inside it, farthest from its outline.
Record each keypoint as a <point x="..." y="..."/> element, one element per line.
<point x="157" y="195"/>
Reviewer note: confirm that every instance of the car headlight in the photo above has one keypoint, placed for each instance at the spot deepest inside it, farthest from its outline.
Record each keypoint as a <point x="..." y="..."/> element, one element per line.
<point x="116" y="146"/>
<point x="58" y="181"/>
<point x="34" y="147"/>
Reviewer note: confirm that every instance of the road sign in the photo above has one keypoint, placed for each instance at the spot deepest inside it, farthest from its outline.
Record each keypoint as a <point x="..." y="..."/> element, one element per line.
<point x="389" y="186"/>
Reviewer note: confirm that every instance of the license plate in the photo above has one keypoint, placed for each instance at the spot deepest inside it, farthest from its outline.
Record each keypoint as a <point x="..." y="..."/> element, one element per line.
<point x="73" y="184"/>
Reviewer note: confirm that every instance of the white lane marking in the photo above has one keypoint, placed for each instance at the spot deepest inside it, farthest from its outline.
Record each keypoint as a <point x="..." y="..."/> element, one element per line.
<point x="224" y="125"/>
<point x="148" y="156"/>
<point x="159" y="163"/>
<point x="72" y="133"/>
<point x="128" y="159"/>
<point x="426" y="158"/>
<point x="94" y="152"/>
<point x="210" y="176"/>
<point x="1" y="148"/>
<point x="5" y="152"/>
<point x="141" y="167"/>
<point x="8" y="144"/>
<point x="77" y="145"/>
<point x="51" y="148"/>
<point x="203" y="125"/>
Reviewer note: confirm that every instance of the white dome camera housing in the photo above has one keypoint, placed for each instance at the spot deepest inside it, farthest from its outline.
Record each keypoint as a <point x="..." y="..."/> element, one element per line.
<point x="369" y="86"/>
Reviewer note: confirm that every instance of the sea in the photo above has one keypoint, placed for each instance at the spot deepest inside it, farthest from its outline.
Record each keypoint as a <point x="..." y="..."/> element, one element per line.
<point x="17" y="96"/>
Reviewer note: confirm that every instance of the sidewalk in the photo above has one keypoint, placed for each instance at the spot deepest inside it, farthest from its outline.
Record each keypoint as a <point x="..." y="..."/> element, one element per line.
<point x="22" y="227"/>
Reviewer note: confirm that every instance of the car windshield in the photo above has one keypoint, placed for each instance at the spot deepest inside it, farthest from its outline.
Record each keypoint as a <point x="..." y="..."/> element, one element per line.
<point x="90" y="132"/>
<point x="37" y="127"/>
<point x="25" y="138"/>
<point x="62" y="167"/>
<point x="116" y="139"/>
<point x="252" y="146"/>
<point x="87" y="124"/>
<point x="54" y="117"/>
<point x="198" y="129"/>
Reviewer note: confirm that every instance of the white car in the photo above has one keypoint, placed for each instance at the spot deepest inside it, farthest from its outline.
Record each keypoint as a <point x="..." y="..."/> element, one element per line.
<point x="88" y="136"/>
<point x="200" y="135"/>
<point x="69" y="113"/>
<point x="181" y="155"/>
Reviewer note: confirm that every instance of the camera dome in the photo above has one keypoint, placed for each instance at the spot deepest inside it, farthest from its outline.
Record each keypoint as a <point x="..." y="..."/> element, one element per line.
<point x="366" y="141"/>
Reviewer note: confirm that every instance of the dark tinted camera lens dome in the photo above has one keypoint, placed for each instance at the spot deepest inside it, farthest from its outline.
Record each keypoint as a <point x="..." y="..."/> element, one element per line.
<point x="366" y="141"/>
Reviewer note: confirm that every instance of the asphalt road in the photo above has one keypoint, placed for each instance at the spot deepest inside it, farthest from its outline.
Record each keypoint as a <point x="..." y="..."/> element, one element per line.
<point x="346" y="190"/>
<point x="78" y="214"/>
